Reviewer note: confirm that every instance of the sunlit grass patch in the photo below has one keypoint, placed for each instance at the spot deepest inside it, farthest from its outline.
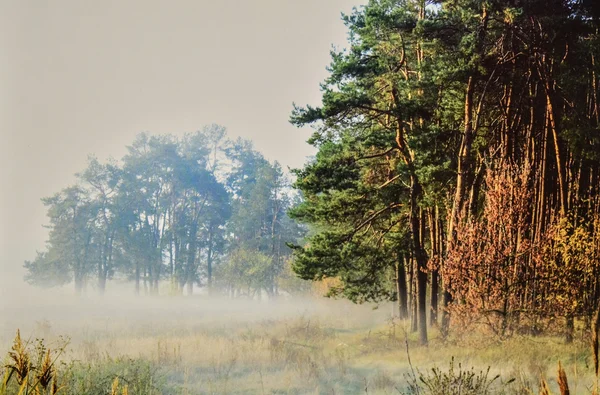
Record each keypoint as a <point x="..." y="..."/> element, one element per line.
<point x="331" y="351"/>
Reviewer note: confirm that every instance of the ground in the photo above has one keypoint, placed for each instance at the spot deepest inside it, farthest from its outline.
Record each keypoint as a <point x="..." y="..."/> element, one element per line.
<point x="197" y="345"/>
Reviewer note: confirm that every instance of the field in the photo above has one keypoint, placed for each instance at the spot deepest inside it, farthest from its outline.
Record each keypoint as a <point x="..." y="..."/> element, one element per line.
<point x="196" y="345"/>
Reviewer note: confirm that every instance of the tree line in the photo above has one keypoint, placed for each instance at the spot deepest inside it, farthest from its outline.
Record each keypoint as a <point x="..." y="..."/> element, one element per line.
<point x="457" y="173"/>
<point x="458" y="163"/>
<point x="201" y="210"/>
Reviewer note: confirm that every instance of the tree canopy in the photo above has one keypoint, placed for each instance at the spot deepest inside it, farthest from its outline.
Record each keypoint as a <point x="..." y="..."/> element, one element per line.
<point x="458" y="145"/>
<point x="172" y="209"/>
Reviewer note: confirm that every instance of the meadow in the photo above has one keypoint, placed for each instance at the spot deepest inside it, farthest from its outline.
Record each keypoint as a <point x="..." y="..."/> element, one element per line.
<point x="196" y="345"/>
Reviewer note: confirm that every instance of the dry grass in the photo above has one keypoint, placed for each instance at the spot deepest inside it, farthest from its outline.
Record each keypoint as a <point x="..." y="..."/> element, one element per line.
<point x="563" y="383"/>
<point x="20" y="362"/>
<point x="23" y="377"/>
<point x="116" y="389"/>
<point x="324" y="348"/>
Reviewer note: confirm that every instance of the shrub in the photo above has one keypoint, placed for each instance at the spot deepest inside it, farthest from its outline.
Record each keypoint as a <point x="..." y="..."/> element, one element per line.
<point x="453" y="382"/>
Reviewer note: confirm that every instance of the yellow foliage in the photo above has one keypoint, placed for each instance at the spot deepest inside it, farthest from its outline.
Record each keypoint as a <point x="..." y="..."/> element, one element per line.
<point x="322" y="288"/>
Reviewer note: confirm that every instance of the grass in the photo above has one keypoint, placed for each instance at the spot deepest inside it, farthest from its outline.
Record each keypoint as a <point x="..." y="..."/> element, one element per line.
<point x="328" y="348"/>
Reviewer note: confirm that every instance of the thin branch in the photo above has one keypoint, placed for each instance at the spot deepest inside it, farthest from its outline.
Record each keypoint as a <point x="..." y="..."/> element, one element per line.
<point x="389" y="181"/>
<point x="378" y="154"/>
<point x="374" y="216"/>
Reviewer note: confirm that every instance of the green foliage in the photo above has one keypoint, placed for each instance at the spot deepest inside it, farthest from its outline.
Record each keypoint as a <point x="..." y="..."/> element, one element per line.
<point x="290" y="282"/>
<point x="427" y="97"/>
<point x="259" y="225"/>
<point x="247" y="270"/>
<point x="141" y="377"/>
<point x="35" y="368"/>
<point x="171" y="209"/>
<point x="44" y="271"/>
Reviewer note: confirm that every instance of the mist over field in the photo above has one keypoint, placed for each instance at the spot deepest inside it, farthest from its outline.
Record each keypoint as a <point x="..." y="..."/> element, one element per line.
<point x="42" y="313"/>
<point x="300" y="197"/>
<point x="51" y="313"/>
<point x="84" y="79"/>
<point x="200" y="344"/>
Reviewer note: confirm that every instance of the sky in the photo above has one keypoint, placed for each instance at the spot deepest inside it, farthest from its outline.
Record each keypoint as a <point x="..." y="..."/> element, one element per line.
<point x="82" y="77"/>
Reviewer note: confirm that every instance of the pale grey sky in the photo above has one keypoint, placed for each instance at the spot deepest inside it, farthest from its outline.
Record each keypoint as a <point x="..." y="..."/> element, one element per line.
<point x="81" y="77"/>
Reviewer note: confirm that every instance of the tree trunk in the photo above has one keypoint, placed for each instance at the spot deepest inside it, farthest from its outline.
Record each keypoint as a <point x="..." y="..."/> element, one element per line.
<point x="413" y="296"/>
<point x="570" y="329"/>
<point x="102" y="272"/>
<point x="434" y="236"/>
<point x="137" y="278"/>
<point x="78" y="279"/>
<point x="145" y="278"/>
<point x="401" y="289"/>
<point x="460" y="197"/>
<point x="209" y="262"/>
<point x="420" y="258"/>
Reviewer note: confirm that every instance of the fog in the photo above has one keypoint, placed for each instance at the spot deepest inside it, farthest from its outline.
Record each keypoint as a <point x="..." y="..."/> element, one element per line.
<point x="84" y="78"/>
<point x="80" y="78"/>
<point x="52" y="313"/>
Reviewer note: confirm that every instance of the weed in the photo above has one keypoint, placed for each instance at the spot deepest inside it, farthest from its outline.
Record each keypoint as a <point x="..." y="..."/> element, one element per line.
<point x="41" y="378"/>
<point x="456" y="381"/>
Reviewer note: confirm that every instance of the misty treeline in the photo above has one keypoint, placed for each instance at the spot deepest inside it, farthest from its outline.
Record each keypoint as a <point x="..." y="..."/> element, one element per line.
<point x="198" y="210"/>
<point x="458" y="164"/>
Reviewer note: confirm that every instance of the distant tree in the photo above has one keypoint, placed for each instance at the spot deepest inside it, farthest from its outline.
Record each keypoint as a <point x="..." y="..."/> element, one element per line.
<point x="101" y="182"/>
<point x="148" y="171"/>
<point x="174" y="209"/>
<point x="69" y="247"/>
<point x="259" y="221"/>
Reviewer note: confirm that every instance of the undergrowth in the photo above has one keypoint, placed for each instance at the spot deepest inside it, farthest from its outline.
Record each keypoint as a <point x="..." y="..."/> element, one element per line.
<point x="295" y="356"/>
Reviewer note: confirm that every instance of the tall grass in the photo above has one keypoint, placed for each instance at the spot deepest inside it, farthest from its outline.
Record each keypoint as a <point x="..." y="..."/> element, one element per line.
<point x="307" y="354"/>
<point x="31" y="369"/>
